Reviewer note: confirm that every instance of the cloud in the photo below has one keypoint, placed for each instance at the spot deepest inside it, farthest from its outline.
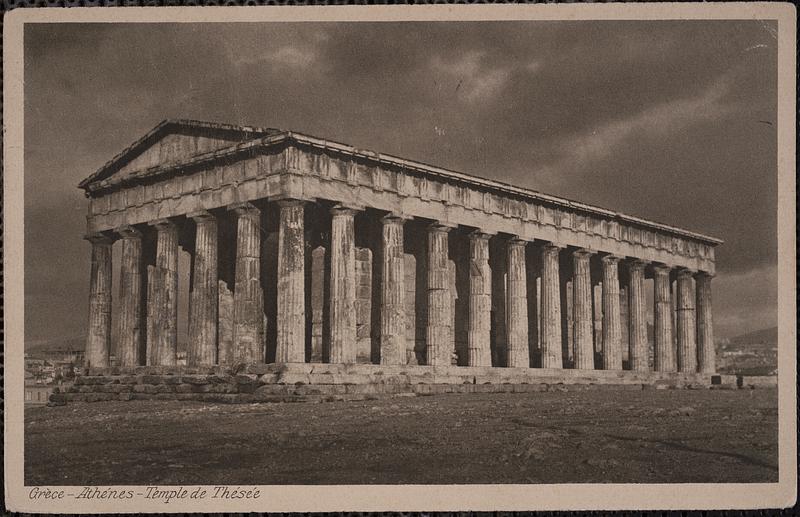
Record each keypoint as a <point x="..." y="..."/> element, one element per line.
<point x="583" y="150"/>
<point x="745" y="301"/>
<point x="653" y="118"/>
<point x="477" y="81"/>
<point x="291" y="56"/>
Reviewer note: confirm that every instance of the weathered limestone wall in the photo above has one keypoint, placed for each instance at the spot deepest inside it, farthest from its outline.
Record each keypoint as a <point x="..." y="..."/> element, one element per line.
<point x="439" y="326"/>
<point x="480" y="301"/>
<point x="392" y="311"/>
<point x="204" y="302"/>
<point x="98" y="341"/>
<point x="582" y="311"/>
<point x="318" y="279"/>
<point x="343" y="287"/>
<point x="225" y="326"/>
<point x="248" y="293"/>
<point x="290" y="314"/>
<point x="497" y="264"/>
<point x="363" y="305"/>
<point x="410" y="272"/>
<point x="162" y="298"/>
<point x="131" y="320"/>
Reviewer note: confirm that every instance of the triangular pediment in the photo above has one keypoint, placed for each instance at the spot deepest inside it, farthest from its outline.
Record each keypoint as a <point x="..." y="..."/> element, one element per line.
<point x="173" y="142"/>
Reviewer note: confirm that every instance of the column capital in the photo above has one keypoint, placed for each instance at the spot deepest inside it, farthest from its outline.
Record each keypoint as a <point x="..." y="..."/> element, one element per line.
<point x="100" y="237"/>
<point x="704" y="274"/>
<point x="517" y="241"/>
<point x="481" y="234"/>
<point x="582" y="252"/>
<point x="244" y="209"/>
<point x="346" y="209"/>
<point x="162" y="224"/>
<point x="129" y="232"/>
<point x="661" y="269"/>
<point x="610" y="259"/>
<point x="637" y="264"/>
<point x="441" y="226"/>
<point x="291" y="202"/>
<point x="200" y="216"/>
<point x="395" y="217"/>
<point x="550" y="245"/>
<point x="293" y="196"/>
<point x="685" y="272"/>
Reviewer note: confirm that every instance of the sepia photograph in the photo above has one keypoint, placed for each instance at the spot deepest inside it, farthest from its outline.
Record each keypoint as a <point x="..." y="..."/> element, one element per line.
<point x="384" y="250"/>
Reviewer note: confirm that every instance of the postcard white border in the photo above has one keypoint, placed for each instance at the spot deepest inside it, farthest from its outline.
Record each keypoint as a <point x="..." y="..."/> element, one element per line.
<point x="414" y="497"/>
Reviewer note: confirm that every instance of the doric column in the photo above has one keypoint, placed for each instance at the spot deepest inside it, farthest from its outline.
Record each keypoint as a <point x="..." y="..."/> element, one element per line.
<point x="162" y="297"/>
<point x="98" y="339"/>
<point x="130" y="323"/>
<point x="248" y="295"/>
<point x="637" y="318"/>
<point x="687" y="331"/>
<point x="612" y="343"/>
<point x="291" y="319"/>
<point x="343" y="286"/>
<point x="517" y="306"/>
<point x="204" y="298"/>
<point x="706" y="355"/>
<point x="393" y="292"/>
<point x="582" y="310"/>
<point x="664" y="352"/>
<point x="551" y="308"/>
<point x="479" y="351"/>
<point x="439" y="332"/>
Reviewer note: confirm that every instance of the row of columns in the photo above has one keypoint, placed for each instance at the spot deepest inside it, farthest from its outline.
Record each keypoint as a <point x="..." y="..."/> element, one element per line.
<point x="694" y="351"/>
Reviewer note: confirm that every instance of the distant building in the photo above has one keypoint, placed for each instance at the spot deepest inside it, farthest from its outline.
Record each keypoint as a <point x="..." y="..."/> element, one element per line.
<point x="36" y="392"/>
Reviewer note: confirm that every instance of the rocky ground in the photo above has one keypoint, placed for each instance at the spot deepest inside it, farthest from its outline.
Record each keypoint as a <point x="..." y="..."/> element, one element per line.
<point x="650" y="436"/>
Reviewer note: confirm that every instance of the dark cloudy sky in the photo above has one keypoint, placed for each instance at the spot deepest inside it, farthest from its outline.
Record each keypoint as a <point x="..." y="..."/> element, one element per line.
<point x="669" y="120"/>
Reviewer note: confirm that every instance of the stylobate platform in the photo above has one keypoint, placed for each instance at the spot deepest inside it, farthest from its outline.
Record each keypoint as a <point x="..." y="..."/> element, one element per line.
<point x="319" y="382"/>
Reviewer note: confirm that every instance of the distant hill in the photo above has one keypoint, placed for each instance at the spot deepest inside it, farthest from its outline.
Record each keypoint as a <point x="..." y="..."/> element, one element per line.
<point x="753" y="353"/>
<point x="65" y="344"/>
<point x="766" y="336"/>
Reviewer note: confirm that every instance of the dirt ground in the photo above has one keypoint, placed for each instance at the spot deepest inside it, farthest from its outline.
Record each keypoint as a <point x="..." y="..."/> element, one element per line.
<point x="651" y="436"/>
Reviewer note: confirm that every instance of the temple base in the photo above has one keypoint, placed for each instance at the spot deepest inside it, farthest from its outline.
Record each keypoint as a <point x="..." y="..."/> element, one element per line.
<point x="322" y="382"/>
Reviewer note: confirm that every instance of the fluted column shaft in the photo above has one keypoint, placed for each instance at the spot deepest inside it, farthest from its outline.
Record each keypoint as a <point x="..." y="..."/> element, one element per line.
<point x="439" y="333"/>
<point x="343" y="286"/>
<point x="582" y="310"/>
<point x="612" y="332"/>
<point x="637" y="318"/>
<point x="248" y="295"/>
<point x="517" y="301"/>
<point x="162" y="298"/>
<point x="664" y="353"/>
<point x="291" y="319"/>
<point x="98" y="339"/>
<point x="130" y="323"/>
<point x="479" y="351"/>
<point x="204" y="297"/>
<point x="687" y="330"/>
<point x="551" y="308"/>
<point x="706" y="355"/>
<point x="393" y="292"/>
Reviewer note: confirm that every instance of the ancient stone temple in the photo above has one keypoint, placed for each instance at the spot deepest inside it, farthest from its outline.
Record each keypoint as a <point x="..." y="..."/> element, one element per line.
<point x="305" y="250"/>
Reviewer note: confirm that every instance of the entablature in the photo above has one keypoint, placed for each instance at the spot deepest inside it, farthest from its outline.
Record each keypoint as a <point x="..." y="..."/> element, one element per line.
<point x="294" y="165"/>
